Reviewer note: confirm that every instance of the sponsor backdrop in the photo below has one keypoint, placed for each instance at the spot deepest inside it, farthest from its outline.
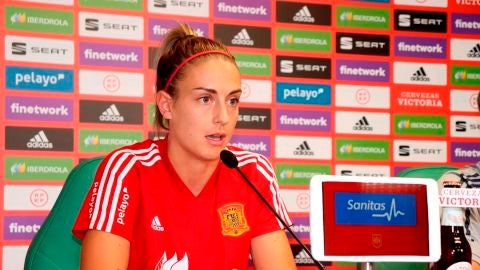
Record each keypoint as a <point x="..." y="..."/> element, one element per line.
<point x="361" y="88"/>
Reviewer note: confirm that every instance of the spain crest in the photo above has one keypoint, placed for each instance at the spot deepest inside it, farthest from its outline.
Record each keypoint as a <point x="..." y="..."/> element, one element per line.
<point x="377" y="240"/>
<point x="233" y="220"/>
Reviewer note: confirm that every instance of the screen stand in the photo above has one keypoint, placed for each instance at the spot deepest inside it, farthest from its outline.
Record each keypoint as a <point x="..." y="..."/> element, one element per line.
<point x="366" y="266"/>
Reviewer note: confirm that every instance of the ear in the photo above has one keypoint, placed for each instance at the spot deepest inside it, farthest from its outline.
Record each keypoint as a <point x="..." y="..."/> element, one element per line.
<point x="164" y="104"/>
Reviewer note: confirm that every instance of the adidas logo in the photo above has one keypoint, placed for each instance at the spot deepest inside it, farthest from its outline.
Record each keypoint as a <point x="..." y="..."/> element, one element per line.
<point x="420" y="76"/>
<point x="304" y="15"/>
<point x="303" y="150"/>
<point x="303" y="258"/>
<point x="475" y="51"/>
<point x="40" y="141"/>
<point x="242" y="38"/>
<point x="111" y="114"/>
<point x="362" y="124"/>
<point x="156" y="225"/>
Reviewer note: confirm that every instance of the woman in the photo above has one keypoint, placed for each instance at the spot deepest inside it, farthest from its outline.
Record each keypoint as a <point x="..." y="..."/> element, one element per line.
<point x="171" y="203"/>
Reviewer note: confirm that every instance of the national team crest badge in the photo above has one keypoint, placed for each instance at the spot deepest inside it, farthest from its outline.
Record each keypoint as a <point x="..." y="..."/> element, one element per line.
<point x="377" y="240"/>
<point x="233" y="220"/>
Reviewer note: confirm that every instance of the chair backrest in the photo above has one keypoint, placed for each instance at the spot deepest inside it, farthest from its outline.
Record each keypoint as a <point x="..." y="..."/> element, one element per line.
<point x="54" y="246"/>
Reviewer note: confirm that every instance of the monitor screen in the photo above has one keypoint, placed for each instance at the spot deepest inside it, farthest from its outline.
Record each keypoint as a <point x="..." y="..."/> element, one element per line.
<point x="369" y="219"/>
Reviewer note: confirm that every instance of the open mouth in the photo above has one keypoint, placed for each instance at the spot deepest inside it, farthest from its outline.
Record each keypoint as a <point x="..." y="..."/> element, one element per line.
<point x="216" y="137"/>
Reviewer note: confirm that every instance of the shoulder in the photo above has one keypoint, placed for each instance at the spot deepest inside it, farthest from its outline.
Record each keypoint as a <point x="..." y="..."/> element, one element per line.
<point x="144" y="152"/>
<point x="252" y="161"/>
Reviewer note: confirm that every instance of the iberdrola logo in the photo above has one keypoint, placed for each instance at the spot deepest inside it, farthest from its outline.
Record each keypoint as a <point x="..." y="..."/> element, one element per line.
<point x="286" y="174"/>
<point x="18" y="168"/>
<point x="460" y="75"/>
<point x="92" y="140"/>
<point x="18" y="18"/>
<point x="404" y="124"/>
<point x="346" y="16"/>
<point x="286" y="39"/>
<point x="346" y="148"/>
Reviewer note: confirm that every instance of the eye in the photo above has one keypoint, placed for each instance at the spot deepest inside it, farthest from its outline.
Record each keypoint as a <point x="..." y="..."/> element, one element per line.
<point x="204" y="99"/>
<point x="233" y="101"/>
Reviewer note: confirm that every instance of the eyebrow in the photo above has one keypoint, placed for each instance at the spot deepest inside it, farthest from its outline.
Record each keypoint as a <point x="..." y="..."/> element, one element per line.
<point x="213" y="91"/>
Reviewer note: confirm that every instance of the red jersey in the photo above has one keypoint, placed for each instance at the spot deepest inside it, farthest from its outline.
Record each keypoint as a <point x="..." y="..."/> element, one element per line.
<point x="138" y="195"/>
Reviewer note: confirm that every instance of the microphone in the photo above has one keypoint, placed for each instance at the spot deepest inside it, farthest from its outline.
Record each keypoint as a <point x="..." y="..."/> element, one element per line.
<point x="229" y="159"/>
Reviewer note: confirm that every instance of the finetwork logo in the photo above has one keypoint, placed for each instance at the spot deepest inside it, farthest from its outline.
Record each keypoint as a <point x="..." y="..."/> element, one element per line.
<point x="363" y="70"/>
<point x="303" y="120"/>
<point x="43" y="109"/>
<point x="463" y="23"/>
<point x="257" y="144"/>
<point x="468" y="152"/>
<point x="258" y="10"/>
<point x="421" y="47"/>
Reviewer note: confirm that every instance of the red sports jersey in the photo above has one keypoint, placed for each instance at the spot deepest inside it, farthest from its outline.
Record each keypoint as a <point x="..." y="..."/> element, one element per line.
<point x="138" y="195"/>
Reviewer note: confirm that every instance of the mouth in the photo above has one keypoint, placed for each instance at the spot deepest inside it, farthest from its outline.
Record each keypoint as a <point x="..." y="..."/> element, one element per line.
<point x="217" y="137"/>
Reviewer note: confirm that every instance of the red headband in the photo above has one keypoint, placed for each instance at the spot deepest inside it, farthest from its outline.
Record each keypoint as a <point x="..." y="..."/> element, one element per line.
<point x="179" y="67"/>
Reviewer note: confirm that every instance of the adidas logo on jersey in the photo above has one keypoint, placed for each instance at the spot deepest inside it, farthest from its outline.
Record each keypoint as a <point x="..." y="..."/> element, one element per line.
<point x="111" y="114"/>
<point x="156" y="225"/>
<point x="242" y="38"/>
<point x="303" y="15"/>
<point x="40" y="140"/>
<point x="420" y="76"/>
<point x="303" y="150"/>
<point x="362" y="124"/>
<point x="475" y="51"/>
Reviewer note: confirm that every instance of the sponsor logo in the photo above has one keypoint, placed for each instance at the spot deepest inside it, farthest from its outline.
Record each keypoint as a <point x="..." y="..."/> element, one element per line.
<point x="465" y="23"/>
<point x="424" y="3"/>
<point x="259" y="10"/>
<point x="296" y="200"/>
<point x="421" y="47"/>
<point x="241" y="36"/>
<point x="195" y="8"/>
<point x="302" y="40"/>
<point x="420" y="99"/>
<point x="31" y="168"/>
<point x="109" y="83"/>
<point x="464" y="126"/>
<point x="465" y="75"/>
<point x="303" y="120"/>
<point x="303" y="147"/>
<point x="115" y="4"/>
<point x="362" y="123"/>
<point x="468" y="152"/>
<point x="39" y="50"/>
<point x="362" y="96"/>
<point x="466" y="4"/>
<point x="254" y="64"/>
<point x="58" y="80"/>
<point x="319" y="68"/>
<point x="38" y="139"/>
<point x="353" y="149"/>
<point x="100" y="54"/>
<point x="258" y="144"/>
<point x="256" y="91"/>
<point x="107" y="140"/>
<point x="56" y="2"/>
<point x="254" y="118"/>
<point x="233" y="219"/>
<point x="362" y="170"/>
<point x="420" y="125"/>
<point x="30" y="197"/>
<point x="372" y="18"/>
<point x="422" y="73"/>
<point x="363" y="44"/>
<point x="92" y="111"/>
<point x="315" y="14"/>
<point x="21" y="227"/>
<point x="42" y="109"/>
<point x="299" y="93"/>
<point x="156" y="225"/>
<point x="158" y="28"/>
<point x="110" y="26"/>
<point x="362" y="70"/>
<point x="463" y="100"/>
<point x="301" y="227"/>
<point x="39" y="20"/>
<point x="419" y="151"/>
<point x="465" y="49"/>
<point x="123" y="206"/>
<point x="299" y="174"/>
<point x="420" y="21"/>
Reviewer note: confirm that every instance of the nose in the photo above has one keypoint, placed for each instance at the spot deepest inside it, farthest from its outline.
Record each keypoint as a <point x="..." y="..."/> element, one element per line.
<point x="221" y="115"/>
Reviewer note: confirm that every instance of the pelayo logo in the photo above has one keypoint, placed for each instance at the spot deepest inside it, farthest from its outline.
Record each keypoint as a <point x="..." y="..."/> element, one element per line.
<point x="301" y="93"/>
<point x="57" y="80"/>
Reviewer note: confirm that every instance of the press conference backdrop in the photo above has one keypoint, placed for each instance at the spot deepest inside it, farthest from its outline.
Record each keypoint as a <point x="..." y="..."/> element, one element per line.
<point x="329" y="87"/>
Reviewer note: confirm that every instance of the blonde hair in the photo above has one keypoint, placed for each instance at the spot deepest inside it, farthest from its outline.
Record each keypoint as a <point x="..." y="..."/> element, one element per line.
<point x="182" y="47"/>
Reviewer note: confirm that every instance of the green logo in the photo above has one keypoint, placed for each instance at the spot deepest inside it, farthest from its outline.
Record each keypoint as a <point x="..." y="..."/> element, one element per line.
<point x="116" y="4"/>
<point x="39" y="20"/>
<point x="254" y="64"/>
<point x="353" y="149"/>
<point x="107" y="140"/>
<point x="151" y="113"/>
<point x="465" y="75"/>
<point x="420" y="125"/>
<point x="299" y="174"/>
<point x="303" y="40"/>
<point x="33" y="168"/>
<point x="363" y="17"/>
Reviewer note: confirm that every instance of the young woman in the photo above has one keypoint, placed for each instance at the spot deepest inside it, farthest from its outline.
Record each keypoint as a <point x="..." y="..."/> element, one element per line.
<point x="171" y="203"/>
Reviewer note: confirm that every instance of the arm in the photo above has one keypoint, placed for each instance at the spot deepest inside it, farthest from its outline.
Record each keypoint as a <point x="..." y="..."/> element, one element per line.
<point x="104" y="251"/>
<point x="272" y="251"/>
<point x="475" y="265"/>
